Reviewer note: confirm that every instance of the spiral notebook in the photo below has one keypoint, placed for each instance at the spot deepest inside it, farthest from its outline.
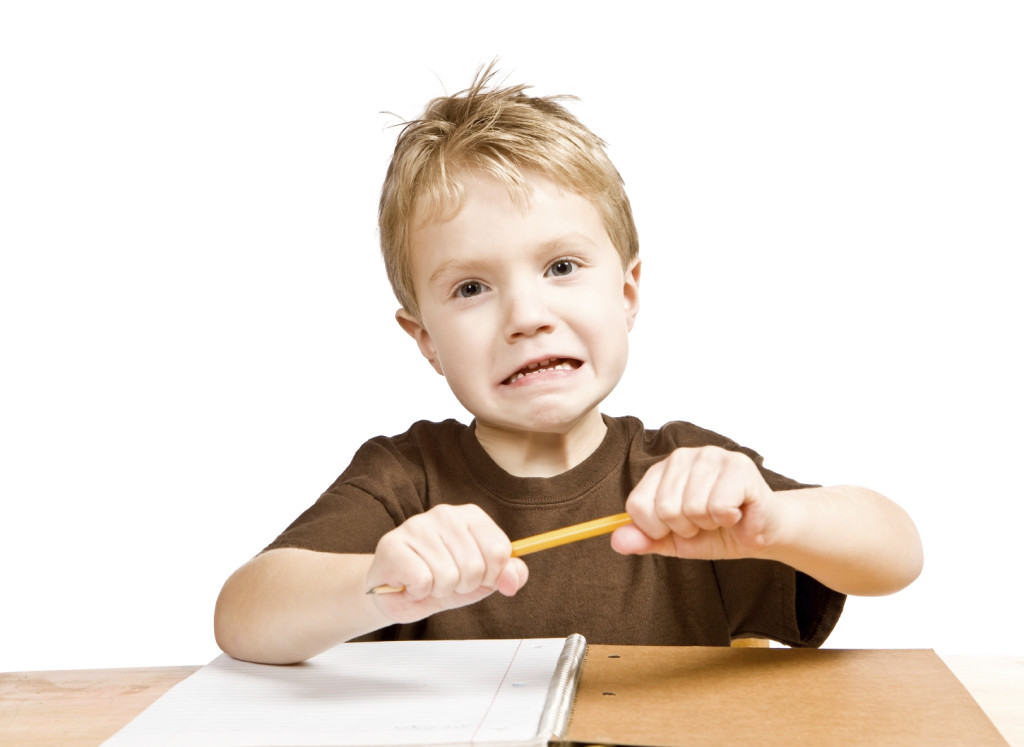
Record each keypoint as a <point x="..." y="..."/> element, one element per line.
<point x="387" y="694"/>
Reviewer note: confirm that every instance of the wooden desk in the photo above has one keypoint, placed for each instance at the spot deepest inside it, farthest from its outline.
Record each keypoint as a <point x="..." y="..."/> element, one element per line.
<point x="997" y="684"/>
<point x="81" y="708"/>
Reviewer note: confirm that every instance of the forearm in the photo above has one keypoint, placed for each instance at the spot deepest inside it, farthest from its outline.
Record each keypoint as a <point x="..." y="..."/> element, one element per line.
<point x="851" y="539"/>
<point x="287" y="605"/>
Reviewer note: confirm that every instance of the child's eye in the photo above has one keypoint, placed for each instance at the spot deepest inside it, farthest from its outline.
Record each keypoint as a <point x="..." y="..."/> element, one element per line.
<point x="562" y="267"/>
<point x="469" y="289"/>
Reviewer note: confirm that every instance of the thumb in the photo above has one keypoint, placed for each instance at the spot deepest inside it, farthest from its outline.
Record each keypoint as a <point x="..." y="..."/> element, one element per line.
<point x="512" y="577"/>
<point x="629" y="540"/>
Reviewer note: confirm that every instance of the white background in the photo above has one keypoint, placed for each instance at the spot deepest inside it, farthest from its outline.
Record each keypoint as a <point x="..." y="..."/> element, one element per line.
<point x="197" y="331"/>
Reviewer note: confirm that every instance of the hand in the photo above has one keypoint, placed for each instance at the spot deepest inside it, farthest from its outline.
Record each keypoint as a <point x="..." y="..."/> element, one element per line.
<point x="447" y="557"/>
<point x="706" y="503"/>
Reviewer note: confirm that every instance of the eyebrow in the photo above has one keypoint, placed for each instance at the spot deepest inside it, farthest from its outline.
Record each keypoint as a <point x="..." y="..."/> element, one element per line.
<point x="567" y="241"/>
<point x="454" y="267"/>
<point x="472" y="266"/>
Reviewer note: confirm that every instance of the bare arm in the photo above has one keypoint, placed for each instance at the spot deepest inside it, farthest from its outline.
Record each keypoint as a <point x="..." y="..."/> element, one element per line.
<point x="713" y="504"/>
<point x="849" y="538"/>
<point x="287" y="605"/>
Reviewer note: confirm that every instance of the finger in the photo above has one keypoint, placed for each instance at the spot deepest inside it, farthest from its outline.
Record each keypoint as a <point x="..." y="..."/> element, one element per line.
<point x="443" y="538"/>
<point x="467" y="561"/>
<point x="428" y="536"/>
<point x="403" y="609"/>
<point x="442" y="574"/>
<point x="671" y="494"/>
<point x="640" y="504"/>
<point x="397" y="563"/>
<point x="495" y="550"/>
<point x="478" y="547"/>
<point x="705" y="470"/>
<point x="726" y="499"/>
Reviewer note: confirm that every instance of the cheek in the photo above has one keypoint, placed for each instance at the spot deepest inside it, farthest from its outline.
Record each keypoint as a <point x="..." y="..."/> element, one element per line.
<point x="609" y="330"/>
<point x="608" y="309"/>
<point x="455" y="352"/>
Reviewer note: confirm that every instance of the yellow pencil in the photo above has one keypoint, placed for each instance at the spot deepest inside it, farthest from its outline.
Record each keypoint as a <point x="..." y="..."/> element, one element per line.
<point x="565" y="535"/>
<point x="545" y="541"/>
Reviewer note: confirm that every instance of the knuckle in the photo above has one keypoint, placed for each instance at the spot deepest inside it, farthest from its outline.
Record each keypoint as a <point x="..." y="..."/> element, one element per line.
<point x="695" y="507"/>
<point x="680" y="456"/>
<point x="419" y="582"/>
<point x="667" y="506"/>
<point x="707" y="455"/>
<point x="444" y="510"/>
<point x="388" y="542"/>
<point x="444" y="581"/>
<point x="735" y="458"/>
<point x="421" y="578"/>
<point x="472" y="571"/>
<point x="686" y="529"/>
<point x="497" y="551"/>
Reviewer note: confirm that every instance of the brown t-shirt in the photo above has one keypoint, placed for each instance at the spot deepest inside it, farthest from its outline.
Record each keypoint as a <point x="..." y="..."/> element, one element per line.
<point x="584" y="587"/>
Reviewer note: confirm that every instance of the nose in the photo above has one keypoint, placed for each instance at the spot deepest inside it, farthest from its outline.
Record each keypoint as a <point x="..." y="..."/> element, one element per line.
<point x="527" y="313"/>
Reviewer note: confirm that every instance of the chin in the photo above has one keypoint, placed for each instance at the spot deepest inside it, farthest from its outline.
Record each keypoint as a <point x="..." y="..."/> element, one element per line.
<point x="557" y="423"/>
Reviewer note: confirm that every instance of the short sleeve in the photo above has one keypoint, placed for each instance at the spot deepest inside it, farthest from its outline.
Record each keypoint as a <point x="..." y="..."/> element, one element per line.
<point x="381" y="488"/>
<point x="767" y="599"/>
<point x="341" y="521"/>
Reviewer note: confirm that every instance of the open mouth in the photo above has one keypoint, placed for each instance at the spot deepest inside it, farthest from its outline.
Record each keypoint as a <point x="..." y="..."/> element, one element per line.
<point x="550" y="364"/>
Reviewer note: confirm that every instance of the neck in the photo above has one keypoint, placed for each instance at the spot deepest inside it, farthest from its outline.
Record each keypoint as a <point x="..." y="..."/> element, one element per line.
<point x="533" y="454"/>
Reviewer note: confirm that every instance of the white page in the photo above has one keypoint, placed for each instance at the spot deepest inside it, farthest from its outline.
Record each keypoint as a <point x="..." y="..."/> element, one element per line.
<point x="390" y="693"/>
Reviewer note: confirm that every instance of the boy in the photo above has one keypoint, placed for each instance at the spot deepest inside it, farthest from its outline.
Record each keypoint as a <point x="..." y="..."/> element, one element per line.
<point x="510" y="244"/>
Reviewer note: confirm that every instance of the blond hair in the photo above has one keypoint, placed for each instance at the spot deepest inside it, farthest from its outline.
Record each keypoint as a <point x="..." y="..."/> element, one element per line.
<point x="500" y="132"/>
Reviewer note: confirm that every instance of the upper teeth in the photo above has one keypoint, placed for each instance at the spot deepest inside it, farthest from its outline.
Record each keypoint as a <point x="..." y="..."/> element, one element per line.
<point x="547" y="365"/>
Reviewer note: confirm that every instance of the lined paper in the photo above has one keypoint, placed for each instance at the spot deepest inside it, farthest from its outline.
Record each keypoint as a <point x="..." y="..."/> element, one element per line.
<point x="368" y="694"/>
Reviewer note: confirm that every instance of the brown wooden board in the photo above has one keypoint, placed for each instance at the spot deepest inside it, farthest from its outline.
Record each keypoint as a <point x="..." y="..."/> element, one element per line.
<point x="671" y="697"/>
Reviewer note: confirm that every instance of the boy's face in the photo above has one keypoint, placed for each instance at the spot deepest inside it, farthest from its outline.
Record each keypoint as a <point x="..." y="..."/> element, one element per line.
<point x="525" y="309"/>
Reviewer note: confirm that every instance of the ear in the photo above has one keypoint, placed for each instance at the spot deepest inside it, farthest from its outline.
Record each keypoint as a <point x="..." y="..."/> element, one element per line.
<point x="631" y="292"/>
<point x="415" y="329"/>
